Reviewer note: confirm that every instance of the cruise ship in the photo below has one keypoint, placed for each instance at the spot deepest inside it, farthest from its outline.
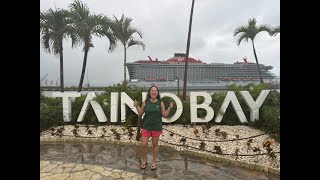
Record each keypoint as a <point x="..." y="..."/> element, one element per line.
<point x="168" y="74"/>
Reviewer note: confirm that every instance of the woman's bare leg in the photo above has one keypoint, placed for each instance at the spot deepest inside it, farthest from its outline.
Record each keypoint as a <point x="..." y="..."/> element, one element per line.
<point x="144" y="149"/>
<point x="155" y="148"/>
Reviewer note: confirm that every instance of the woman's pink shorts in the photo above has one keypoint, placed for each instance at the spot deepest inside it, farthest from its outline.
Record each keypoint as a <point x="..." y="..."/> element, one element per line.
<point x="147" y="133"/>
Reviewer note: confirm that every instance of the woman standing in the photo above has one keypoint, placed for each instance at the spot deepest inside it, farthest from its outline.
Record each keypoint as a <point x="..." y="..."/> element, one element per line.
<point x="154" y="110"/>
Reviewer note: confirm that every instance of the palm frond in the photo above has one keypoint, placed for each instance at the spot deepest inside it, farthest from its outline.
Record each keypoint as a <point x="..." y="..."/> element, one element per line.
<point x="126" y="23"/>
<point x="135" y="42"/>
<point x="275" y="31"/>
<point x="79" y="10"/>
<point x="46" y="42"/>
<point x="240" y="29"/>
<point x="266" y="28"/>
<point x="252" y="22"/>
<point x="251" y="30"/>
<point x="242" y="36"/>
<point x="112" y="40"/>
<point x="134" y="30"/>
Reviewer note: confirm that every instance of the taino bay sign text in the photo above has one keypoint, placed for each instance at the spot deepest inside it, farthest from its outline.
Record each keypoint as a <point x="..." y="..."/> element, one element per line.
<point x="254" y="106"/>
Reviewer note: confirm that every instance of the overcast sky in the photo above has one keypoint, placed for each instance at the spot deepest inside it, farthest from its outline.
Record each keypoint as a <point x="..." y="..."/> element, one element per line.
<point x="164" y="25"/>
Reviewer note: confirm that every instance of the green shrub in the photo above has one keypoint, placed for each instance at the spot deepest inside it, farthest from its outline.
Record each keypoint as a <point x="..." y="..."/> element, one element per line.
<point x="185" y="116"/>
<point x="269" y="121"/>
<point x="50" y="113"/>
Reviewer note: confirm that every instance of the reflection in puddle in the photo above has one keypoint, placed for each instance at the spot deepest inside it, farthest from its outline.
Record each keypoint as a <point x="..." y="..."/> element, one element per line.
<point x="170" y="163"/>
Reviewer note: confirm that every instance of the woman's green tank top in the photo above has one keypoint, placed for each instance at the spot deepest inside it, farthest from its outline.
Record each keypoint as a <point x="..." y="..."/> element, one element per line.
<point x="152" y="119"/>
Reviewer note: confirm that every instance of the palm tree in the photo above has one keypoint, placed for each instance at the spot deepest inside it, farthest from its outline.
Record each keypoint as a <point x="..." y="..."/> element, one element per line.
<point x="249" y="32"/>
<point x="275" y="31"/>
<point x="124" y="33"/>
<point x="54" y="27"/>
<point x="87" y="25"/>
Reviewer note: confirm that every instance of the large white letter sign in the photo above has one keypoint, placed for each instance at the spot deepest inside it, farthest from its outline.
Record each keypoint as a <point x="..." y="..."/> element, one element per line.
<point x="144" y="97"/>
<point x="126" y="100"/>
<point x="231" y="97"/>
<point x="66" y="103"/>
<point x="114" y="107"/>
<point x="254" y="106"/>
<point x="96" y="108"/>
<point x="205" y="105"/>
<point x="179" y="107"/>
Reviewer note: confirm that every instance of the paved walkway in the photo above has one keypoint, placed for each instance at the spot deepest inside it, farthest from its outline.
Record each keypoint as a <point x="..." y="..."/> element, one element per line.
<point x="106" y="161"/>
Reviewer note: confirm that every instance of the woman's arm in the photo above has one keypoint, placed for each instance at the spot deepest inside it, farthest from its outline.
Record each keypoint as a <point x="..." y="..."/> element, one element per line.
<point x="140" y="110"/>
<point x="165" y="113"/>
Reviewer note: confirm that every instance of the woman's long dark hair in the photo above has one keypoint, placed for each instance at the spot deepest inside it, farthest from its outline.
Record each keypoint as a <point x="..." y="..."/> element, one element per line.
<point x="158" y="96"/>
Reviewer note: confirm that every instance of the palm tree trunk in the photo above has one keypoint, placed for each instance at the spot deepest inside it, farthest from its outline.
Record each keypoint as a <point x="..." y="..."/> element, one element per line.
<point x="255" y="55"/>
<point x="124" y="65"/>
<point x="61" y="69"/>
<point x="185" y="78"/>
<point x="83" y="68"/>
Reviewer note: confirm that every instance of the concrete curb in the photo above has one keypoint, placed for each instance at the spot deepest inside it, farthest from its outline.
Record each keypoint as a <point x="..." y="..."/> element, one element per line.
<point x="212" y="157"/>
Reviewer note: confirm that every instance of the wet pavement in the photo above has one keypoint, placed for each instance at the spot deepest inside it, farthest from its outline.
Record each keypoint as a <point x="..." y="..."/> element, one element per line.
<point x="88" y="160"/>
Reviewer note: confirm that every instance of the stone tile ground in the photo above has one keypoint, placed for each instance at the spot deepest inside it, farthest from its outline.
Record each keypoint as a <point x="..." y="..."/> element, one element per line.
<point x="85" y="160"/>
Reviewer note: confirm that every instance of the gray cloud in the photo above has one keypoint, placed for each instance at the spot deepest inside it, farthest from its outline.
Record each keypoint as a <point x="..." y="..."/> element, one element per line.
<point x="164" y="25"/>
